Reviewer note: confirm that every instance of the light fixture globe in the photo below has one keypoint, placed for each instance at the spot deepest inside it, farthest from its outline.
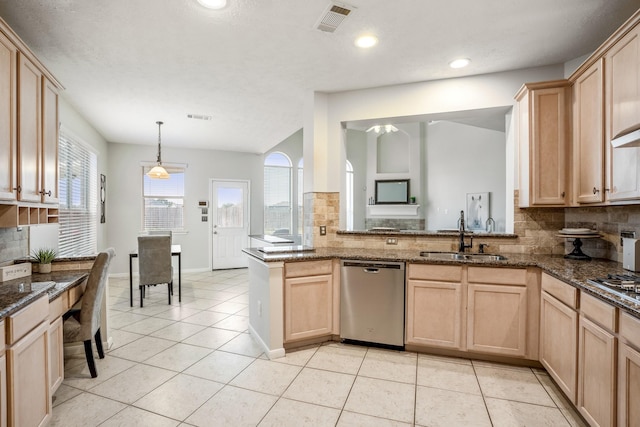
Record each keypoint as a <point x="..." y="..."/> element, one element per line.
<point x="213" y="4"/>
<point x="158" y="172"/>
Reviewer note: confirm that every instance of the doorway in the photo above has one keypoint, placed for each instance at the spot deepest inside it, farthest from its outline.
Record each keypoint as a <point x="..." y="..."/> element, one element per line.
<point x="229" y="223"/>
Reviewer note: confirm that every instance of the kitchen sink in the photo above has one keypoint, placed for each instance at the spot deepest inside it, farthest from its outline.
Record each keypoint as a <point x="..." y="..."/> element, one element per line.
<point x="455" y="256"/>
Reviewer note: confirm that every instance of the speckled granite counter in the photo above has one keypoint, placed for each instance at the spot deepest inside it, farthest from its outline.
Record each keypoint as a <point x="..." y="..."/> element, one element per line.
<point x="572" y="272"/>
<point x="18" y="293"/>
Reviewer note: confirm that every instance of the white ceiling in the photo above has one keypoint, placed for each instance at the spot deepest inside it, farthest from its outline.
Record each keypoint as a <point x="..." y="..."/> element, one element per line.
<point x="127" y="63"/>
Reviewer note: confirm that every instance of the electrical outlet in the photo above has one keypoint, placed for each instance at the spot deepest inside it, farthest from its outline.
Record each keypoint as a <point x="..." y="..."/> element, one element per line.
<point x="392" y="240"/>
<point x="323" y="230"/>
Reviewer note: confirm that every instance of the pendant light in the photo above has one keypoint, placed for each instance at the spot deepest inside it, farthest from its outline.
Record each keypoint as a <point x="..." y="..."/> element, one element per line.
<point x="158" y="172"/>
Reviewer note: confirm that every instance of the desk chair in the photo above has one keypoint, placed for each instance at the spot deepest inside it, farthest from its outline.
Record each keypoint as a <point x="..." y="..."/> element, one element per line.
<point x="154" y="263"/>
<point x="82" y="322"/>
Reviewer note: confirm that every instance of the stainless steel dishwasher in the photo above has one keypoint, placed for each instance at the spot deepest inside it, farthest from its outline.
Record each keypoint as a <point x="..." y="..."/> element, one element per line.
<point x="372" y="302"/>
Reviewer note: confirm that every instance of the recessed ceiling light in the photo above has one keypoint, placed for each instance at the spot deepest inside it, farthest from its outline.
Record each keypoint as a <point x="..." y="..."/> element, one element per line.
<point x="459" y="63"/>
<point x="213" y="4"/>
<point x="366" y="41"/>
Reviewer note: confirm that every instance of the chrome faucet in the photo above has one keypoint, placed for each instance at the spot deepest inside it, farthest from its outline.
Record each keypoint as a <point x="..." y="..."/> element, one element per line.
<point x="461" y="244"/>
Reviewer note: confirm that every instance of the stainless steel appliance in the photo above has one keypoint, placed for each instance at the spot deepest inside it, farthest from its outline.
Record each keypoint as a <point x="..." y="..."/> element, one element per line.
<point x="624" y="285"/>
<point x="372" y="302"/>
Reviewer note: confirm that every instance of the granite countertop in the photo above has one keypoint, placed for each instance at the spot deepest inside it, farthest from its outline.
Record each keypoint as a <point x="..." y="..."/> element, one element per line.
<point x="18" y="293"/>
<point x="573" y="272"/>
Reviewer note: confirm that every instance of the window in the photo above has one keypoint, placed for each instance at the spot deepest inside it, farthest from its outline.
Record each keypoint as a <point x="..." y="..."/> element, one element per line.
<point x="300" y="196"/>
<point x="164" y="200"/>
<point x="349" y="196"/>
<point x="78" y="190"/>
<point x="277" y="194"/>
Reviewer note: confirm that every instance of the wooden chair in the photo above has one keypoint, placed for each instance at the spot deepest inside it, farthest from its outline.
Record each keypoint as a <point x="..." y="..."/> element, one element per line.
<point x="154" y="263"/>
<point x="82" y="322"/>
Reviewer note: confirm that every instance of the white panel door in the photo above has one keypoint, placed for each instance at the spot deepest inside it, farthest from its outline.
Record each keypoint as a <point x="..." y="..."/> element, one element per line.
<point x="229" y="223"/>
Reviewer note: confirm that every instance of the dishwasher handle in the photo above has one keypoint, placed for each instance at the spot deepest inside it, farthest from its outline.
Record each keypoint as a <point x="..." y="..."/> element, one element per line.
<point x="371" y="270"/>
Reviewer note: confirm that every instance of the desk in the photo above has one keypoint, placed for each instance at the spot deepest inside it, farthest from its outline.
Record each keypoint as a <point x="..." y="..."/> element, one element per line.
<point x="176" y="250"/>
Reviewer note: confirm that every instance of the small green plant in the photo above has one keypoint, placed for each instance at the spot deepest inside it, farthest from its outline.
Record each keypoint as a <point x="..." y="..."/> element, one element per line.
<point x="43" y="255"/>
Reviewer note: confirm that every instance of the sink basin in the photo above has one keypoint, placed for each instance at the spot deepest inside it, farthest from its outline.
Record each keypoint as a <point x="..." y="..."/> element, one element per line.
<point x="455" y="256"/>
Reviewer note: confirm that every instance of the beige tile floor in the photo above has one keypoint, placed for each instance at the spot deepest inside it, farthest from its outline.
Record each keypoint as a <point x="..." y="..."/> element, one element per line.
<point x="195" y="364"/>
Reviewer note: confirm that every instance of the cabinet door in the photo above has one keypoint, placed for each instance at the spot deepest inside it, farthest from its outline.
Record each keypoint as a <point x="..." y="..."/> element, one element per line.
<point x="56" y="355"/>
<point x="628" y="386"/>
<point x="3" y="390"/>
<point x="559" y="343"/>
<point x="8" y="148"/>
<point x="29" y="130"/>
<point x="28" y="380"/>
<point x="596" y="374"/>
<point x="624" y="77"/>
<point x="434" y="313"/>
<point x="588" y="136"/>
<point x="496" y="319"/>
<point x="623" y="112"/>
<point x="549" y="145"/>
<point x="308" y="307"/>
<point x="49" y="142"/>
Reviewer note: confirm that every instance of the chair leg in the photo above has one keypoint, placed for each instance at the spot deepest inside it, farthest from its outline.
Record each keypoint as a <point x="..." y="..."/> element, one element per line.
<point x="141" y="295"/>
<point x="88" y="351"/>
<point x="169" y="291"/>
<point x="99" y="344"/>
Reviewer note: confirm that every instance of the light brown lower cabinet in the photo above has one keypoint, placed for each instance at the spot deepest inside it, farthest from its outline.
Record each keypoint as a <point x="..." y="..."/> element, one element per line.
<point x="435" y="306"/>
<point x="56" y="355"/>
<point x="27" y="353"/>
<point x="308" y="300"/>
<point x="596" y="373"/>
<point x="629" y="371"/>
<point x="497" y="319"/>
<point x="28" y="379"/>
<point x="3" y="379"/>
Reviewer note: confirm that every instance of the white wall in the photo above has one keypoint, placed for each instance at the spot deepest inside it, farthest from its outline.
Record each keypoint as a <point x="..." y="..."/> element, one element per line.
<point x="463" y="159"/>
<point x="459" y="94"/>
<point x="124" y="199"/>
<point x="72" y="121"/>
<point x="357" y="154"/>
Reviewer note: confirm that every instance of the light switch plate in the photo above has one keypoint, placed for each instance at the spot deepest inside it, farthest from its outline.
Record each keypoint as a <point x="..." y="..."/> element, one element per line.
<point x="15" y="271"/>
<point x="323" y="230"/>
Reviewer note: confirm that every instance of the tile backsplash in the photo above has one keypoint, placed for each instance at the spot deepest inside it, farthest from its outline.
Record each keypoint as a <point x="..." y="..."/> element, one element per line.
<point x="14" y="244"/>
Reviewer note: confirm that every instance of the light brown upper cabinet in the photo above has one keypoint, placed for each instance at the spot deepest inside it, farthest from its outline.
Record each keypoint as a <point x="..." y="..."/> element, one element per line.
<point x="622" y="90"/>
<point x="8" y="153"/>
<point x="588" y="135"/>
<point x="49" y="175"/>
<point x="544" y="143"/>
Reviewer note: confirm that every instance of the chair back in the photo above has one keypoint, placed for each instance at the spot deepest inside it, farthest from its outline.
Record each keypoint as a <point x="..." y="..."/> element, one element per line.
<point x="154" y="259"/>
<point x="158" y="233"/>
<point x="91" y="307"/>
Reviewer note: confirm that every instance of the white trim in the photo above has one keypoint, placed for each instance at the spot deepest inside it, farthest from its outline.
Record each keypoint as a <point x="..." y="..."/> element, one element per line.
<point x="393" y="210"/>
<point x="271" y="354"/>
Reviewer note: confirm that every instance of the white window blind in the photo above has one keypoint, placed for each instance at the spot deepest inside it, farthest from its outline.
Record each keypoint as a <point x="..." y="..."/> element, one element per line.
<point x="164" y="200"/>
<point x="78" y="189"/>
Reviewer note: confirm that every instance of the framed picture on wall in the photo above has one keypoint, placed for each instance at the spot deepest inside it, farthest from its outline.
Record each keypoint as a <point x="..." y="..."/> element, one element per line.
<point x="477" y="211"/>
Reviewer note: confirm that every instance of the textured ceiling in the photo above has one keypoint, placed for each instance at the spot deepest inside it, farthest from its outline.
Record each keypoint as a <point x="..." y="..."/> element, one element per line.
<point x="126" y="64"/>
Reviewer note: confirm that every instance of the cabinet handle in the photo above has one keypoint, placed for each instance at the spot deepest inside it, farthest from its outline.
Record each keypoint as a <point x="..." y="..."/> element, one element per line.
<point x="47" y="193"/>
<point x="562" y="195"/>
<point x="595" y="190"/>
<point x="18" y="189"/>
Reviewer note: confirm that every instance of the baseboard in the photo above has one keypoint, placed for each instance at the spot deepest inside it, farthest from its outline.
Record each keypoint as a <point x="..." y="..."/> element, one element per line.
<point x="271" y="354"/>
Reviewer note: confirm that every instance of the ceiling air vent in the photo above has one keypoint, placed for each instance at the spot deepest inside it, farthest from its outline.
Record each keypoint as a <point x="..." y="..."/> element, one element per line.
<point x="199" y="117"/>
<point x="333" y="16"/>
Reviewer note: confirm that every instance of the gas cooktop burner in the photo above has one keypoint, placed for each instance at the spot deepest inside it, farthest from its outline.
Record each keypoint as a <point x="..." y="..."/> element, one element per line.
<point x="624" y="285"/>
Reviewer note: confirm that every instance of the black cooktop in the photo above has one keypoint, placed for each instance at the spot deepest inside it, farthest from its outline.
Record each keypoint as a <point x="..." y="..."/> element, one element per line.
<point x="624" y="285"/>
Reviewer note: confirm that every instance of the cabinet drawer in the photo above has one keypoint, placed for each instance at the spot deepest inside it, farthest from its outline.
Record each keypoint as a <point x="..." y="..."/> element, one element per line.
<point x="598" y="311"/>
<point x="74" y="294"/>
<point x="20" y="323"/>
<point x="560" y="290"/>
<point x="57" y="307"/>
<point x="498" y="276"/>
<point x="630" y="329"/>
<point x="440" y="273"/>
<point x="307" y="268"/>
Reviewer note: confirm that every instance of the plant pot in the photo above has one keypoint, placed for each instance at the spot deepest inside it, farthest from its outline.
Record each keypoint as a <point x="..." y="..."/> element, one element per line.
<point x="44" y="268"/>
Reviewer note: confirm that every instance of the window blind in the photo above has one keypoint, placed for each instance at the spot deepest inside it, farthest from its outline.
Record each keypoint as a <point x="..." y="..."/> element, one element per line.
<point x="78" y="190"/>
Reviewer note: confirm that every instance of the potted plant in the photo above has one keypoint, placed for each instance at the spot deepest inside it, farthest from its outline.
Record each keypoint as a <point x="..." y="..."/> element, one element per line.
<point x="43" y="257"/>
